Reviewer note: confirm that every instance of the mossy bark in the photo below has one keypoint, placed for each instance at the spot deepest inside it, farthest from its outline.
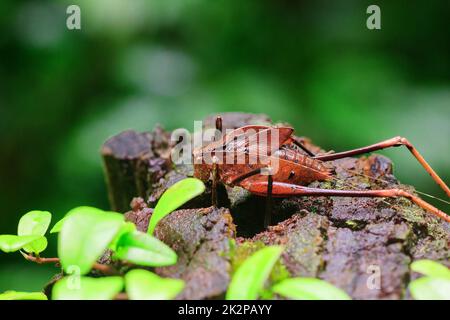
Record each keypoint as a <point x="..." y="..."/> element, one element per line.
<point x="362" y="245"/>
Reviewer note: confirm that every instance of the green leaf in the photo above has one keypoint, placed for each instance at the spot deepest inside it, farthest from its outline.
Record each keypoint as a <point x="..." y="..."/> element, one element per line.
<point x="309" y="289"/>
<point x="11" y="243"/>
<point x="35" y="223"/>
<point x="37" y="246"/>
<point x="145" y="285"/>
<point x="249" y="278"/>
<point x="430" y="268"/>
<point x="143" y="249"/>
<point x="17" y="295"/>
<point x="85" y="288"/>
<point x="57" y="227"/>
<point x="430" y="288"/>
<point x="174" y="197"/>
<point x="127" y="227"/>
<point x="84" y="237"/>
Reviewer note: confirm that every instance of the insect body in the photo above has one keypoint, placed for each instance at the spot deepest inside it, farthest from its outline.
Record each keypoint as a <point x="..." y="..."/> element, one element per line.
<point x="242" y="157"/>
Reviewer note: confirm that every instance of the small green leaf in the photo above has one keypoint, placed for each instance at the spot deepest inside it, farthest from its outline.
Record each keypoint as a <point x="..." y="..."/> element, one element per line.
<point x="57" y="227"/>
<point x="37" y="246"/>
<point x="430" y="268"/>
<point x="174" y="197"/>
<point x="127" y="227"/>
<point x="35" y="223"/>
<point x="84" y="237"/>
<point x="430" y="288"/>
<point x="145" y="285"/>
<point x="143" y="249"/>
<point x="309" y="289"/>
<point x="11" y="243"/>
<point x="85" y="288"/>
<point x="249" y="278"/>
<point x="17" y="295"/>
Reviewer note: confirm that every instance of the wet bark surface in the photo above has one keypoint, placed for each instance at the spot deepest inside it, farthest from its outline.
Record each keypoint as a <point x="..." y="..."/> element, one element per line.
<point x="362" y="245"/>
<point x="201" y="239"/>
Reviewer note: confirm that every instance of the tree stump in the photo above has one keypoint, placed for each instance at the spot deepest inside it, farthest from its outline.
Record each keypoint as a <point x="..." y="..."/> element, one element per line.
<point x="362" y="245"/>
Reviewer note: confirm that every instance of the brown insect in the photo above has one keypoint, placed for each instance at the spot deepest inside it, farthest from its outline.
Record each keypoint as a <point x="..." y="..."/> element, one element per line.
<point x="296" y="169"/>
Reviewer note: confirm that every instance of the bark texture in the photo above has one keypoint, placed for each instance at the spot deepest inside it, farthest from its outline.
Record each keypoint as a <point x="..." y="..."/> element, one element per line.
<point x="362" y="245"/>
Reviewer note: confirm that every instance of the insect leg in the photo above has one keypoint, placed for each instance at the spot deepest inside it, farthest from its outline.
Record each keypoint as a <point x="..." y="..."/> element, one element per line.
<point x="237" y="179"/>
<point x="219" y="123"/>
<point x="268" y="193"/>
<point x="215" y="173"/>
<point x="281" y="189"/>
<point x="268" y="214"/>
<point x="393" y="142"/>
<point x="215" y="168"/>
<point x="301" y="146"/>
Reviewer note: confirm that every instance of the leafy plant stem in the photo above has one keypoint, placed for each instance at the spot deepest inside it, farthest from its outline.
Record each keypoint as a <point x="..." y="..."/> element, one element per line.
<point x="106" y="269"/>
<point x="39" y="259"/>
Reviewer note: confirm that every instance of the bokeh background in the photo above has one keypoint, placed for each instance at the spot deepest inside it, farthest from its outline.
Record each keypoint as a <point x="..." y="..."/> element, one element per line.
<point x="136" y="63"/>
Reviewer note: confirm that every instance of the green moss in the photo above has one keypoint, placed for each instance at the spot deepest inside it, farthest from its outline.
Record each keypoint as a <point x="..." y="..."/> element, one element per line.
<point x="326" y="185"/>
<point x="240" y="252"/>
<point x="351" y="223"/>
<point x="415" y="216"/>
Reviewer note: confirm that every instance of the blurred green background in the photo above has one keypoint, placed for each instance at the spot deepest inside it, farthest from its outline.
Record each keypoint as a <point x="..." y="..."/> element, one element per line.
<point x="136" y="63"/>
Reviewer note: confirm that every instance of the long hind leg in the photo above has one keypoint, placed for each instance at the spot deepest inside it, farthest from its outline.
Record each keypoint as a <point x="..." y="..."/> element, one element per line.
<point x="393" y="142"/>
<point x="280" y="189"/>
